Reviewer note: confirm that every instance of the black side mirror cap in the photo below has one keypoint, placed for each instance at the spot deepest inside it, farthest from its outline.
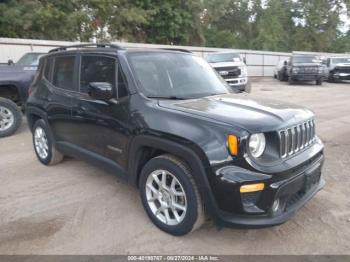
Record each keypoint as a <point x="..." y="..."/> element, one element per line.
<point x="100" y="90"/>
<point x="285" y="63"/>
<point x="10" y="62"/>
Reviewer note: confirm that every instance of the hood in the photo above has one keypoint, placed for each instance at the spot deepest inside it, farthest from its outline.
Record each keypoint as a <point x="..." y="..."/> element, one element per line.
<point x="15" y="73"/>
<point x="227" y="64"/>
<point x="17" y="68"/>
<point x="252" y="115"/>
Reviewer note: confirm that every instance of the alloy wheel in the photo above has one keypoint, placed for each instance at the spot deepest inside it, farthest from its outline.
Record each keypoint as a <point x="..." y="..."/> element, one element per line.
<point x="6" y="118"/>
<point x="41" y="143"/>
<point x="166" y="197"/>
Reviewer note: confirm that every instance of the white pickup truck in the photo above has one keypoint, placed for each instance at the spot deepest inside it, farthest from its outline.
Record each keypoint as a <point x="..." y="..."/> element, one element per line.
<point x="232" y="68"/>
<point x="338" y="68"/>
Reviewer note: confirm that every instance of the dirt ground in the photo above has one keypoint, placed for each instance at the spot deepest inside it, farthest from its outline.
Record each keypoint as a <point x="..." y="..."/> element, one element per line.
<point x="75" y="208"/>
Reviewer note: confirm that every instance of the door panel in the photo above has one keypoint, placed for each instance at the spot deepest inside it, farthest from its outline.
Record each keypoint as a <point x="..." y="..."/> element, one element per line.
<point x="100" y="126"/>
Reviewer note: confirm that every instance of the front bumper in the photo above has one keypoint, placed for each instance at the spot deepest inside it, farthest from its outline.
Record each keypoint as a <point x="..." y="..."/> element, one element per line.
<point x="254" y="210"/>
<point x="341" y="76"/>
<point x="235" y="82"/>
<point x="301" y="77"/>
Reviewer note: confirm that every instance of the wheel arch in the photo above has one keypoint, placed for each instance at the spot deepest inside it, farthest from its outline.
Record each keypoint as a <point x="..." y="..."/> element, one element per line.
<point x="11" y="91"/>
<point x="145" y="147"/>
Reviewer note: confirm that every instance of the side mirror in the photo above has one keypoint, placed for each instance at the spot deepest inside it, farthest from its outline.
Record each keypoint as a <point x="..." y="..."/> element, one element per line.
<point x="10" y="62"/>
<point x="100" y="90"/>
<point x="285" y="63"/>
<point x="244" y="60"/>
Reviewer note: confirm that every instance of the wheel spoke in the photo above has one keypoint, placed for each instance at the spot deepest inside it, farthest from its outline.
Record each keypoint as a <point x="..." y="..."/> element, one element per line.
<point x="150" y="186"/>
<point x="176" y="214"/>
<point x="164" y="179"/>
<point x="167" y="216"/>
<point x="178" y="206"/>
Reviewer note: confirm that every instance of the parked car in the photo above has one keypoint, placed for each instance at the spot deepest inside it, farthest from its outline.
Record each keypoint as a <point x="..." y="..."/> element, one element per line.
<point x="166" y="122"/>
<point x="14" y="83"/>
<point x="338" y="68"/>
<point x="280" y="71"/>
<point x="232" y="68"/>
<point x="305" y="68"/>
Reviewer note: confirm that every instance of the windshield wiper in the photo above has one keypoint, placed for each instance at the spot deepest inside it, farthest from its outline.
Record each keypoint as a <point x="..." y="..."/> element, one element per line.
<point x="168" y="97"/>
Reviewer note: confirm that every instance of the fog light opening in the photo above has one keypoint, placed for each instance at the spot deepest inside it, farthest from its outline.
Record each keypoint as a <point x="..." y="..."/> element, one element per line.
<point x="276" y="205"/>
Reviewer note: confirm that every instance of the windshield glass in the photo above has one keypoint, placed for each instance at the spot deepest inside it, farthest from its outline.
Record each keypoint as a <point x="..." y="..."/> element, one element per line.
<point x="341" y="60"/>
<point x="175" y="75"/>
<point x="223" y="57"/>
<point x="306" y="59"/>
<point x="30" y="59"/>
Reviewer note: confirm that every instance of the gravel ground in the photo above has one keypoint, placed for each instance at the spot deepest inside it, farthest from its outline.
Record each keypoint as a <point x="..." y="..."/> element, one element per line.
<point x="75" y="208"/>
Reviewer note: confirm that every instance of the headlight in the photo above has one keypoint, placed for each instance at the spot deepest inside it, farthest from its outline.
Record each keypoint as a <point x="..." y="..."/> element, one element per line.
<point x="243" y="70"/>
<point x="257" y="143"/>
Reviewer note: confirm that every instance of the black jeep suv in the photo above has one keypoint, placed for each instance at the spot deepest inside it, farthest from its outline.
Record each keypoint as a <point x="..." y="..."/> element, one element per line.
<point x="166" y="122"/>
<point x="305" y="68"/>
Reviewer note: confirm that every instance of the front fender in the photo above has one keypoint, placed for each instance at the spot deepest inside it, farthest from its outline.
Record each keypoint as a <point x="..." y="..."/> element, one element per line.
<point x="196" y="160"/>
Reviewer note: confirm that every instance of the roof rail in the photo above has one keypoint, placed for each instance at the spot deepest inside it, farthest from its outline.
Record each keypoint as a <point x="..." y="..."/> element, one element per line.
<point x="63" y="48"/>
<point x="177" y="49"/>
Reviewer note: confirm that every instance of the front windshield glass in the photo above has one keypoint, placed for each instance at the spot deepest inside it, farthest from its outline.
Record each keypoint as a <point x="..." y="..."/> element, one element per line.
<point x="30" y="59"/>
<point x="175" y="75"/>
<point x="341" y="60"/>
<point x="223" y="57"/>
<point x="306" y="59"/>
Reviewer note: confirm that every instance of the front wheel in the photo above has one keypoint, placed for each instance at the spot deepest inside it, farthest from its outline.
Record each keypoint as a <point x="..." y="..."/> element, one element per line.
<point x="44" y="146"/>
<point x="170" y="195"/>
<point x="290" y="80"/>
<point x="10" y="117"/>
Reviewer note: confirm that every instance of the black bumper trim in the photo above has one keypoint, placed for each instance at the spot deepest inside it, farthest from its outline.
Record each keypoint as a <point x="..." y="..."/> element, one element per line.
<point x="260" y="221"/>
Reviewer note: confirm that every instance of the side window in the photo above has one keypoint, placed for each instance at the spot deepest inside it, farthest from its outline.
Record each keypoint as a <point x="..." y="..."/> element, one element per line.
<point x="122" y="84"/>
<point x="48" y="66"/>
<point x="63" y="73"/>
<point x="96" y="69"/>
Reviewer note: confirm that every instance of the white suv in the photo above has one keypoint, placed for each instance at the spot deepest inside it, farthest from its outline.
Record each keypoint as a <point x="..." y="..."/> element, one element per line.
<point x="231" y="67"/>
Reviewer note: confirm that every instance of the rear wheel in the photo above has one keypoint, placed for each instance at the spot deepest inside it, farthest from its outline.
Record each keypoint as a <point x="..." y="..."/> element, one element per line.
<point x="319" y="82"/>
<point x="43" y="145"/>
<point x="10" y="117"/>
<point x="170" y="195"/>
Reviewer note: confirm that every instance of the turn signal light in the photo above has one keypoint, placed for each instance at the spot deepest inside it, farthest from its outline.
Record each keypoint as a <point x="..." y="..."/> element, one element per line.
<point x="252" y="188"/>
<point x="232" y="142"/>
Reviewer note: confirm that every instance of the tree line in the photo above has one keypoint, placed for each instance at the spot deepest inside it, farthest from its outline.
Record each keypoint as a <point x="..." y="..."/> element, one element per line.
<point x="274" y="25"/>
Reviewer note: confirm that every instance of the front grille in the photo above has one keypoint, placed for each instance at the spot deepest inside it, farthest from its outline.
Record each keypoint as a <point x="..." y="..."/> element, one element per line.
<point x="343" y="69"/>
<point x="308" y="69"/>
<point x="296" y="138"/>
<point x="228" y="72"/>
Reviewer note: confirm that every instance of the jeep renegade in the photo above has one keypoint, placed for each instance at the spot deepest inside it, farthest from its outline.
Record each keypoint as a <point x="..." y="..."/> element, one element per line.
<point x="166" y="122"/>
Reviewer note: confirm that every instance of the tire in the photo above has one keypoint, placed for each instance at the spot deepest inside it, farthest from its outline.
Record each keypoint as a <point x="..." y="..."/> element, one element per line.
<point x="10" y="117"/>
<point x="290" y="80"/>
<point x="43" y="144"/>
<point x="193" y="216"/>
<point x="319" y="82"/>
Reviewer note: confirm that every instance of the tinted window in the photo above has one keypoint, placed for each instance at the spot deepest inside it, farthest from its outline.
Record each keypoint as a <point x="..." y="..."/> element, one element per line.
<point x="122" y="84"/>
<point x="30" y="59"/>
<point x="176" y="74"/>
<point x="96" y="69"/>
<point x="224" y="57"/>
<point x="63" y="74"/>
<point x="48" y="66"/>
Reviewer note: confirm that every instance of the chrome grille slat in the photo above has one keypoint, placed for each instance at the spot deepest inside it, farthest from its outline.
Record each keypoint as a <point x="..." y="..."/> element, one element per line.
<point x="295" y="138"/>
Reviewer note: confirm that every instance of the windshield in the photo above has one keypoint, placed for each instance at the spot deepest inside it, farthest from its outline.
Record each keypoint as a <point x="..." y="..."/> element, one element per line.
<point x="223" y="57"/>
<point x="175" y="75"/>
<point x="341" y="60"/>
<point x="306" y="59"/>
<point x="30" y="59"/>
